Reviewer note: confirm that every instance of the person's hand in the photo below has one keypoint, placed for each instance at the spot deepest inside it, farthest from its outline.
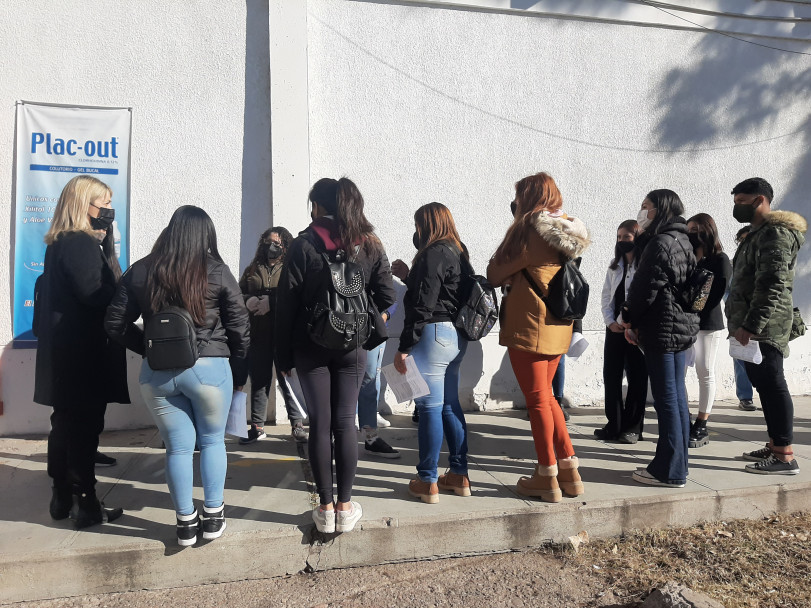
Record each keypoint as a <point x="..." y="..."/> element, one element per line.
<point x="399" y="362"/>
<point x="399" y="269"/>
<point x="263" y="306"/>
<point x="742" y="335"/>
<point x="252" y="303"/>
<point x="631" y="337"/>
<point x="385" y="316"/>
<point x="616" y="328"/>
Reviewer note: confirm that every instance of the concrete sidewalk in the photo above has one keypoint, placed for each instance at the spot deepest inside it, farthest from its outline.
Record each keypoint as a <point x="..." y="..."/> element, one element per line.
<point x="268" y="502"/>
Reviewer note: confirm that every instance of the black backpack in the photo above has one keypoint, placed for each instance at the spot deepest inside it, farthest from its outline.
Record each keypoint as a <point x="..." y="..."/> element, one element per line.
<point x="478" y="304"/>
<point x="568" y="294"/>
<point x="171" y="339"/>
<point x="343" y="318"/>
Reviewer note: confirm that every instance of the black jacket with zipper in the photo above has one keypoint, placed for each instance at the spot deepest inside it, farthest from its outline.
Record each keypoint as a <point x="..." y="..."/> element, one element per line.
<point x="433" y="291"/>
<point x="226" y="331"/>
<point x="305" y="277"/>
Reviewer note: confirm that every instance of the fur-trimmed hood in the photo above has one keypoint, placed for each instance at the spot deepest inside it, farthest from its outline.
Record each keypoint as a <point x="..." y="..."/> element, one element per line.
<point x="788" y="219"/>
<point x="566" y="234"/>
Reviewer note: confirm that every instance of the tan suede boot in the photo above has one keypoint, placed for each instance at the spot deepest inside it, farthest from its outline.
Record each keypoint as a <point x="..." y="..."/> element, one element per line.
<point x="426" y="492"/>
<point x="543" y="484"/>
<point x="569" y="478"/>
<point x="458" y="484"/>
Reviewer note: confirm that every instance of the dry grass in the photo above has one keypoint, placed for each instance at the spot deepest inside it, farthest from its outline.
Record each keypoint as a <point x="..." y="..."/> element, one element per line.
<point x="743" y="564"/>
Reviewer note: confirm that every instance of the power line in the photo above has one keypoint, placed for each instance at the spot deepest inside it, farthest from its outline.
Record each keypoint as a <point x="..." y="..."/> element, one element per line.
<point x="528" y="127"/>
<point x="709" y="29"/>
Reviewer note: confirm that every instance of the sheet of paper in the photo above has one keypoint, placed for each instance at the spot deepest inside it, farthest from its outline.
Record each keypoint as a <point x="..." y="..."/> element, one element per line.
<point x="750" y="352"/>
<point x="577" y="346"/>
<point x="406" y="386"/>
<point x="237" y="419"/>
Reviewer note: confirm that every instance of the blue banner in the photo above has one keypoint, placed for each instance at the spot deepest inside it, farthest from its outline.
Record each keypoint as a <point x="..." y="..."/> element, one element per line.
<point x="54" y="144"/>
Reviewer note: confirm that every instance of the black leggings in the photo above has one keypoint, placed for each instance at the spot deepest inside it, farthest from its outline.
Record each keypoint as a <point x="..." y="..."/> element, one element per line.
<point x="72" y="445"/>
<point x="330" y="381"/>
<point x="770" y="382"/>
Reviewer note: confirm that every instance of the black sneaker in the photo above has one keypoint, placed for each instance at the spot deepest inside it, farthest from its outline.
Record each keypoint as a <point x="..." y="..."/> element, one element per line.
<point x="629" y="438"/>
<point x="298" y="433"/>
<point x="380" y="449"/>
<point x="747" y="405"/>
<point x="213" y="522"/>
<point x="102" y="460"/>
<point x="602" y="435"/>
<point x="699" y="436"/>
<point x="563" y="409"/>
<point x="415" y="417"/>
<point x="255" y="433"/>
<point x="757" y="455"/>
<point x="774" y="466"/>
<point x="187" y="528"/>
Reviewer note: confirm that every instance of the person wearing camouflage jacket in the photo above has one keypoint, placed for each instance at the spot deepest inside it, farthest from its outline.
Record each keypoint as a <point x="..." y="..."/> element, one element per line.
<point x="760" y="307"/>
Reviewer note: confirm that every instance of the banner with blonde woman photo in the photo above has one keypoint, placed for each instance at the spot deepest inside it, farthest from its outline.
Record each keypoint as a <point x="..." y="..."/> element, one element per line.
<point x="55" y="143"/>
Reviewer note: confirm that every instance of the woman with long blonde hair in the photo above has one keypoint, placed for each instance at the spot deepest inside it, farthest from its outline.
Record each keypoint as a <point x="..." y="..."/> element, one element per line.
<point x="78" y="370"/>
<point x="540" y="238"/>
<point x="430" y="336"/>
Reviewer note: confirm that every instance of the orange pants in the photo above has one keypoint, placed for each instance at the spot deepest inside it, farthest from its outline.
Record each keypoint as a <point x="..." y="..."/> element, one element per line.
<point x="534" y="373"/>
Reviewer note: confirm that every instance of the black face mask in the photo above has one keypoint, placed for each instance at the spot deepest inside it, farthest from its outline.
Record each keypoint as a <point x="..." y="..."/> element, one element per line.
<point x="416" y="240"/>
<point x="744" y="213"/>
<point x="624" y="247"/>
<point x="274" y="251"/>
<point x="695" y="240"/>
<point x="104" y="220"/>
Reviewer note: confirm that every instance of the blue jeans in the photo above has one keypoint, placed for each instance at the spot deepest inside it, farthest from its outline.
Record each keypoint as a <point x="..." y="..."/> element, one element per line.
<point x="438" y="356"/>
<point x="370" y="388"/>
<point x="560" y="379"/>
<point x="666" y="373"/>
<point x="188" y="406"/>
<point x="743" y="386"/>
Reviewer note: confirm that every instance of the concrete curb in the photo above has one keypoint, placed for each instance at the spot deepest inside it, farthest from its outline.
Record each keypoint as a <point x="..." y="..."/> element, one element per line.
<point x="262" y="554"/>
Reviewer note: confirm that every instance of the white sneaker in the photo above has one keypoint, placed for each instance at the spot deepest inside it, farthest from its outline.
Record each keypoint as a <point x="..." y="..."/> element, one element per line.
<point x="324" y="520"/>
<point x="382" y="423"/>
<point x="345" y="520"/>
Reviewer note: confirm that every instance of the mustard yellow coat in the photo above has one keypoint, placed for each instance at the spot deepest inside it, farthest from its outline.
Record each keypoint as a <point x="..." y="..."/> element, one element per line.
<point x="527" y="325"/>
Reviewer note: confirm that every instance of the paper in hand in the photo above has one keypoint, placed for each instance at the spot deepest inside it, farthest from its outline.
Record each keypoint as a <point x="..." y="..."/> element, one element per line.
<point x="406" y="386"/>
<point x="750" y="352"/>
<point x="577" y="346"/>
<point x="236" y="424"/>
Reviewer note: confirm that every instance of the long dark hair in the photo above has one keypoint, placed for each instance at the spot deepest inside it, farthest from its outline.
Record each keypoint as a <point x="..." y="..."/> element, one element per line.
<point x="668" y="206"/>
<point x="342" y="199"/>
<point x="108" y="249"/>
<point x="632" y="227"/>
<point x="261" y="255"/>
<point x="434" y="222"/>
<point x="707" y="234"/>
<point x="180" y="262"/>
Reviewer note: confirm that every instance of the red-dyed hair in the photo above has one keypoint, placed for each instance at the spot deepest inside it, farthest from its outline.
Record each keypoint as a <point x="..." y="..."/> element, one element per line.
<point x="533" y="194"/>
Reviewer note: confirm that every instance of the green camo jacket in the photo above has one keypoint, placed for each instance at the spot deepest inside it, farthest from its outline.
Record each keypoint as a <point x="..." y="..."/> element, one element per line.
<point x="763" y="279"/>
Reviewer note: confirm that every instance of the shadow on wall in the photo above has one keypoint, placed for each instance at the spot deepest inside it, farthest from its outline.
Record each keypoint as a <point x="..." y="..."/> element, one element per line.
<point x="256" y="173"/>
<point x="749" y="90"/>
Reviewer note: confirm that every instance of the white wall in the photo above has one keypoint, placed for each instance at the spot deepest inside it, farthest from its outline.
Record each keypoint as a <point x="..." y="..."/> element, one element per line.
<point x="416" y="102"/>
<point x="196" y="74"/>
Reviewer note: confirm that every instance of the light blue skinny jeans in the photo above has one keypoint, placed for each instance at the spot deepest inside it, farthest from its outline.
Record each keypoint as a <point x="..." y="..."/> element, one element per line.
<point x="191" y="406"/>
<point x="369" y="394"/>
<point x="438" y="356"/>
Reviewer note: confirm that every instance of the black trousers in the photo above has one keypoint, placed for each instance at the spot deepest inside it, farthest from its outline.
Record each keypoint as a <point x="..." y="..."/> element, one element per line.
<point x="260" y="369"/>
<point x="624" y="415"/>
<point x="72" y="445"/>
<point x="331" y="382"/>
<point x="770" y="381"/>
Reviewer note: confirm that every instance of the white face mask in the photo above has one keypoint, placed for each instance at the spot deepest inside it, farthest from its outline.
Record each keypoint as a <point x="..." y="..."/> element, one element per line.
<point x="642" y="219"/>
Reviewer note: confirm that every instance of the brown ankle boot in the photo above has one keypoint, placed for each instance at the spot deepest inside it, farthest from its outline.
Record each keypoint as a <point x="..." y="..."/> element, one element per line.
<point x="543" y="484"/>
<point x="569" y="478"/>
<point x="425" y="491"/>
<point x="458" y="484"/>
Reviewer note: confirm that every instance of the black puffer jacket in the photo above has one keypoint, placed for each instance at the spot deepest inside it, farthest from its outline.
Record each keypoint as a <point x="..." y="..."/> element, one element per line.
<point x="225" y="334"/>
<point x="304" y="279"/>
<point x="651" y="306"/>
<point x="432" y="296"/>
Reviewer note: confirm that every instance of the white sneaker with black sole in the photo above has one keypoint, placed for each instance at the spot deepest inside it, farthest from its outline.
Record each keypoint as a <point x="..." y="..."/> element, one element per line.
<point x="380" y="449"/>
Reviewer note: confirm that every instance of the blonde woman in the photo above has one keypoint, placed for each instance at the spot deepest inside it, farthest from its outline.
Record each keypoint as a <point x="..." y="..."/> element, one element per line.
<point x="78" y="370"/>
